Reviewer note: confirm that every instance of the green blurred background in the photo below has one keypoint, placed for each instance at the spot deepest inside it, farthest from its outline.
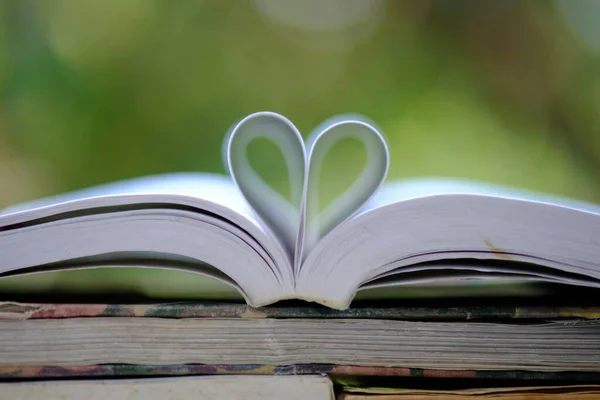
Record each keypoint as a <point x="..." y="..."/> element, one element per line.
<point x="96" y="91"/>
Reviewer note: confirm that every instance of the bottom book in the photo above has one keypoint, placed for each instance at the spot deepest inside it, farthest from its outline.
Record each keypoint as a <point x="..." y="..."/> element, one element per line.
<point x="583" y="392"/>
<point x="197" y="388"/>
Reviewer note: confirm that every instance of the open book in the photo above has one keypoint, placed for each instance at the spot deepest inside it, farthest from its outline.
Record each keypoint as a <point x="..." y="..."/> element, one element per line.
<point x="270" y="247"/>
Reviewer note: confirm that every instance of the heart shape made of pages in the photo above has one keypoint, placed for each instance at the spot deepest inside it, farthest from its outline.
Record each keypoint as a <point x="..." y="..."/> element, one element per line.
<point x="300" y="223"/>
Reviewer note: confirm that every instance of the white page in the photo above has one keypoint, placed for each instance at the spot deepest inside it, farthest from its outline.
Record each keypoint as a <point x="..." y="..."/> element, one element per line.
<point x="477" y="267"/>
<point x="318" y="221"/>
<point x="212" y="193"/>
<point x="424" y="227"/>
<point x="281" y="215"/>
<point x="185" y="388"/>
<point x="218" y="189"/>
<point x="301" y="221"/>
<point x="400" y="190"/>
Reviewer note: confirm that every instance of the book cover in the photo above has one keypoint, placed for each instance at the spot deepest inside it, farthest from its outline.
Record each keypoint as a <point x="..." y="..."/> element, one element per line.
<point x="22" y="311"/>
<point x="346" y="374"/>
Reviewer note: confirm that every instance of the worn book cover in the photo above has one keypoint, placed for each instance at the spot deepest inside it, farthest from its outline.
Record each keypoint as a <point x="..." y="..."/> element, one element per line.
<point x="22" y="311"/>
<point x="555" y="392"/>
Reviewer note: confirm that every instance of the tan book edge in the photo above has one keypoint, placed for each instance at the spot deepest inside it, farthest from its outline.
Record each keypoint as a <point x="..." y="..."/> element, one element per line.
<point x="197" y="388"/>
<point x="552" y="346"/>
<point x="585" y="392"/>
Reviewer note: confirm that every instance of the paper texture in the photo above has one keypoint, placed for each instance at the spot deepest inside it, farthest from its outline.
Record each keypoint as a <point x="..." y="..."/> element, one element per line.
<point x="197" y="388"/>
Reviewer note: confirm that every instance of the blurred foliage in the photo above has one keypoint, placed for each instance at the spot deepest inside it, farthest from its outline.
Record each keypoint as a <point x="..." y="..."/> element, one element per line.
<point x="501" y="90"/>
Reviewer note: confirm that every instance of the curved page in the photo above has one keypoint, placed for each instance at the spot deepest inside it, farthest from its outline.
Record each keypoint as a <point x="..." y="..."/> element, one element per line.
<point x="440" y="227"/>
<point x="300" y="221"/>
<point x="171" y="199"/>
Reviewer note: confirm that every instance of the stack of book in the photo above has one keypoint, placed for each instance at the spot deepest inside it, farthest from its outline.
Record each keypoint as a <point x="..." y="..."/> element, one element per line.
<point x="394" y="352"/>
<point x="420" y="289"/>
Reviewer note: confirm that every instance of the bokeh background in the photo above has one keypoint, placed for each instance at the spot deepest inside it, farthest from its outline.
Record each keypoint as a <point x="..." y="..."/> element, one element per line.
<point x="504" y="91"/>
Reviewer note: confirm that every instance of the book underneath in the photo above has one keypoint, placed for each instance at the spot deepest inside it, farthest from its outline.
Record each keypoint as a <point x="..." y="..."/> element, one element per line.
<point x="551" y="340"/>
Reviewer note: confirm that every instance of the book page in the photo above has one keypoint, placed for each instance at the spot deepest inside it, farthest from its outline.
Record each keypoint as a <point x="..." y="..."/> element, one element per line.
<point x="281" y="214"/>
<point x="218" y="189"/>
<point x="135" y="281"/>
<point x="550" y="392"/>
<point x="188" y="388"/>
<point x="402" y="190"/>
<point x="412" y="222"/>
<point x="318" y="220"/>
<point x="203" y="217"/>
<point x="300" y="221"/>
